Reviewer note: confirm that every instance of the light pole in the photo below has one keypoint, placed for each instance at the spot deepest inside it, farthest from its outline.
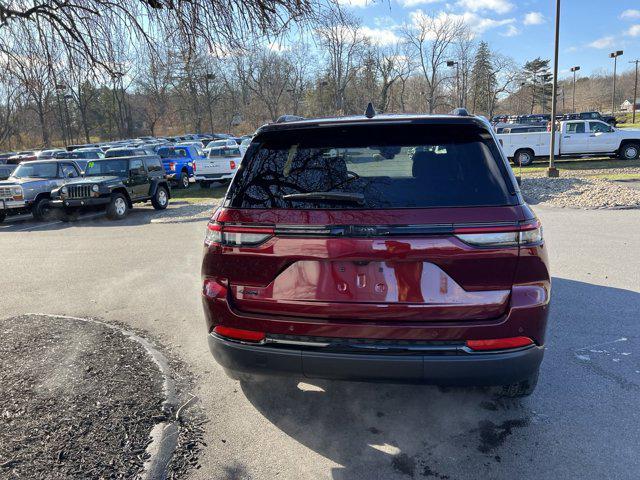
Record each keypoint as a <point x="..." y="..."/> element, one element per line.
<point x="552" y="171"/>
<point x="451" y="63"/>
<point x="635" y="92"/>
<point x="615" y="56"/>
<point x="574" y="70"/>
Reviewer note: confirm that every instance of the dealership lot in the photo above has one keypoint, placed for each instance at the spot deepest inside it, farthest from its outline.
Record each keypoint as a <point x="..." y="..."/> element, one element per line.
<point x="581" y="422"/>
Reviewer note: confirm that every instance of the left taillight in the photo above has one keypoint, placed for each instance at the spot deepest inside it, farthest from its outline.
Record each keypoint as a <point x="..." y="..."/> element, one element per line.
<point x="232" y="165"/>
<point x="529" y="233"/>
<point x="237" y="235"/>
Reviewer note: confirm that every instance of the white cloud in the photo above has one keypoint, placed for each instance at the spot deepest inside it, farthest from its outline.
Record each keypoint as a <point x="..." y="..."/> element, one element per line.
<point x="533" y="18"/>
<point x="630" y="14"/>
<point x="476" y="23"/>
<point x="380" y="36"/>
<point x="603" y="42"/>
<point x="634" y="31"/>
<point x="498" y="6"/>
<point x="414" y="3"/>
<point x="511" y="31"/>
<point x="355" y="3"/>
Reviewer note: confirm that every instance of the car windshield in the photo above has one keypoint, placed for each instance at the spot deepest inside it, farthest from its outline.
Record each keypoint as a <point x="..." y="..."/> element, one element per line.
<point x="408" y="166"/>
<point x="36" y="170"/>
<point x="107" y="167"/>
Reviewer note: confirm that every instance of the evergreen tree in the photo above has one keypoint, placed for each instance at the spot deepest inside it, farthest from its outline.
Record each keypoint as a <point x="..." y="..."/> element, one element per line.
<point x="482" y="79"/>
<point x="538" y="78"/>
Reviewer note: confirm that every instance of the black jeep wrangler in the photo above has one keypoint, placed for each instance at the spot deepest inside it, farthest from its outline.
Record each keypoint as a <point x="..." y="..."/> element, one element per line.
<point x="116" y="183"/>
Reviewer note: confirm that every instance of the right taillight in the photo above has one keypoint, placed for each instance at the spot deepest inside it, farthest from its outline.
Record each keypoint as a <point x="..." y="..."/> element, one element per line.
<point x="237" y="235"/>
<point x="529" y="233"/>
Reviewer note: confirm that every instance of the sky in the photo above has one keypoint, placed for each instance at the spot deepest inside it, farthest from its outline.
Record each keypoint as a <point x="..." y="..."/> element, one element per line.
<point x="524" y="29"/>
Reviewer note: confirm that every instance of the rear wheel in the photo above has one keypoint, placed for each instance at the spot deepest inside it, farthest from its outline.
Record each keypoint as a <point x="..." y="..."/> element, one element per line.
<point x="41" y="209"/>
<point x="523" y="157"/>
<point x="630" y="151"/>
<point x="161" y="199"/>
<point x="118" y="207"/>
<point x="184" y="180"/>
<point x="519" y="389"/>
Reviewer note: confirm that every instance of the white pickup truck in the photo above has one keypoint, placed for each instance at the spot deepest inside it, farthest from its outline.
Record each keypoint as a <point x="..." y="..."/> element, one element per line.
<point x="573" y="138"/>
<point x="220" y="165"/>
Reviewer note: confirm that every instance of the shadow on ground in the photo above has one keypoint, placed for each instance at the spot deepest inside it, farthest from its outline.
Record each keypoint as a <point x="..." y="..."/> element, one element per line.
<point x="404" y="431"/>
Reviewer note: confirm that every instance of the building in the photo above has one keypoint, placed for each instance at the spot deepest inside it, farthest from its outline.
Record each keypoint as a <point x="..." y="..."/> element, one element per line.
<point x="626" y="106"/>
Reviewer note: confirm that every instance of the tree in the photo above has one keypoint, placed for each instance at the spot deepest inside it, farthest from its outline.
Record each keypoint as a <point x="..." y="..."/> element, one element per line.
<point x="430" y="39"/>
<point x="538" y="78"/>
<point x="344" y="46"/>
<point x="482" y="79"/>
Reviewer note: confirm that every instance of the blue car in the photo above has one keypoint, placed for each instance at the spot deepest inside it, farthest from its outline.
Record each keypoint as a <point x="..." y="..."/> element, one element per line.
<point x="179" y="164"/>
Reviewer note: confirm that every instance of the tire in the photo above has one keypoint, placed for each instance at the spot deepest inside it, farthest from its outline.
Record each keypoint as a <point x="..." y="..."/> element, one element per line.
<point x="523" y="157"/>
<point x="520" y="389"/>
<point x="3" y="215"/>
<point x="118" y="207"/>
<point x="41" y="210"/>
<point x="161" y="199"/>
<point x="184" y="181"/>
<point x="629" y="151"/>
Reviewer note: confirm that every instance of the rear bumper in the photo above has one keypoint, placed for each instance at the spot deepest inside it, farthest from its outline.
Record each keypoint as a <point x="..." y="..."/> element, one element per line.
<point x="215" y="176"/>
<point x="441" y="369"/>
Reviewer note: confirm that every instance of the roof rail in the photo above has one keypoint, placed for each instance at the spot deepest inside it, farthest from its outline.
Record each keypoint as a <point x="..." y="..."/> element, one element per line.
<point x="460" y="112"/>
<point x="289" y="118"/>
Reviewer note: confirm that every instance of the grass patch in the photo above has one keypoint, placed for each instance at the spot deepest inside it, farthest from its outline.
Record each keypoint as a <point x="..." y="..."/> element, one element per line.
<point x="617" y="176"/>
<point x="195" y="194"/>
<point x="629" y="125"/>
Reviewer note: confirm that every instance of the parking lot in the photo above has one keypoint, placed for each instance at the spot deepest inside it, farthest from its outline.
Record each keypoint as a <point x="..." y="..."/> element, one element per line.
<point x="581" y="422"/>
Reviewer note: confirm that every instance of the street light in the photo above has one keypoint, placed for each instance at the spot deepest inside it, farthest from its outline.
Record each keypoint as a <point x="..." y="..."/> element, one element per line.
<point x="635" y="92"/>
<point x="615" y="56"/>
<point x="552" y="171"/>
<point x="574" y="70"/>
<point x="451" y="63"/>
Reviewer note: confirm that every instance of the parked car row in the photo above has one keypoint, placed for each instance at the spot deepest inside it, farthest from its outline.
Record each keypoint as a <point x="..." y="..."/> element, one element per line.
<point x="574" y="138"/>
<point x="39" y="186"/>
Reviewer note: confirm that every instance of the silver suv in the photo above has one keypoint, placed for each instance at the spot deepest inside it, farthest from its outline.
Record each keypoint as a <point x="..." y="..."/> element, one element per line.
<point x="28" y="189"/>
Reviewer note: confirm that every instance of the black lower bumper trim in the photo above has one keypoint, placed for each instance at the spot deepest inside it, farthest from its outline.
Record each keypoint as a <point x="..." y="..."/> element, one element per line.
<point x="467" y="369"/>
<point x="85" y="202"/>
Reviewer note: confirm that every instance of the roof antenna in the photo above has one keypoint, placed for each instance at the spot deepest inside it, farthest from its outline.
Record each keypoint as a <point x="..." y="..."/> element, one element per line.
<point x="370" y="112"/>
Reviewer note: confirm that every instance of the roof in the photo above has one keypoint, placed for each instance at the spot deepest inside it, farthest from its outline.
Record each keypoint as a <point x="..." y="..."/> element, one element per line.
<point x="378" y="119"/>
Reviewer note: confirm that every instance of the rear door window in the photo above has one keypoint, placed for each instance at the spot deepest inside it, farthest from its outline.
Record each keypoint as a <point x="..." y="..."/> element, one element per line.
<point x="385" y="166"/>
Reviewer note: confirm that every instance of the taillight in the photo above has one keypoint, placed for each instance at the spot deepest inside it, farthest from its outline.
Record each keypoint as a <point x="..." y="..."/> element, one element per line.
<point x="236" y="235"/>
<point x="172" y="166"/>
<point x="214" y="288"/>
<point x="499" y="343"/>
<point x="529" y="233"/>
<point x="194" y="166"/>
<point x="232" y="165"/>
<point x="240" y="334"/>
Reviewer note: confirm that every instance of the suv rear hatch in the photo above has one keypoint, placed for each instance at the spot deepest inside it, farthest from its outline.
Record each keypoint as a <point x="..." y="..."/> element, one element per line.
<point x="404" y="222"/>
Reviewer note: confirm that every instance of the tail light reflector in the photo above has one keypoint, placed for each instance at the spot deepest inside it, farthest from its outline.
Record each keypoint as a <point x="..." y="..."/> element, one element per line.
<point x="232" y="165"/>
<point x="194" y="166"/>
<point x="236" y="235"/>
<point x="172" y="166"/>
<point x="499" y="343"/>
<point x="529" y="233"/>
<point x="239" y="334"/>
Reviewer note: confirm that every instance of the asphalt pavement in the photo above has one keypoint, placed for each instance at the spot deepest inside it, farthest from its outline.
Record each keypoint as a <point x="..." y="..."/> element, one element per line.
<point x="582" y="421"/>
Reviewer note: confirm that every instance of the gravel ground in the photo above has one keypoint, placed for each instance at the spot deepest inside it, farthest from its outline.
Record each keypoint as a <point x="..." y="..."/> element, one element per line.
<point x="182" y="211"/>
<point x="575" y="189"/>
<point x="79" y="400"/>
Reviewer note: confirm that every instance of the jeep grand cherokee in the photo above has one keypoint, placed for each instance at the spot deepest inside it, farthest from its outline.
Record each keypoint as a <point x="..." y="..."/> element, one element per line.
<point x="393" y="248"/>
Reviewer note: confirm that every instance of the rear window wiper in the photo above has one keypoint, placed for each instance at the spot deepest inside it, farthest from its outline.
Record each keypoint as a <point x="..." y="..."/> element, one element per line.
<point x="332" y="196"/>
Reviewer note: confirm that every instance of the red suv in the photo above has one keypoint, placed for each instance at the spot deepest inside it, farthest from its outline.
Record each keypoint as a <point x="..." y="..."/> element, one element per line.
<point x="393" y="248"/>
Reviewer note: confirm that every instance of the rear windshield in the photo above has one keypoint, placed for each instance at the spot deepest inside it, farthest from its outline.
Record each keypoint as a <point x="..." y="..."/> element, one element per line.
<point x="374" y="166"/>
<point x="168" y="152"/>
